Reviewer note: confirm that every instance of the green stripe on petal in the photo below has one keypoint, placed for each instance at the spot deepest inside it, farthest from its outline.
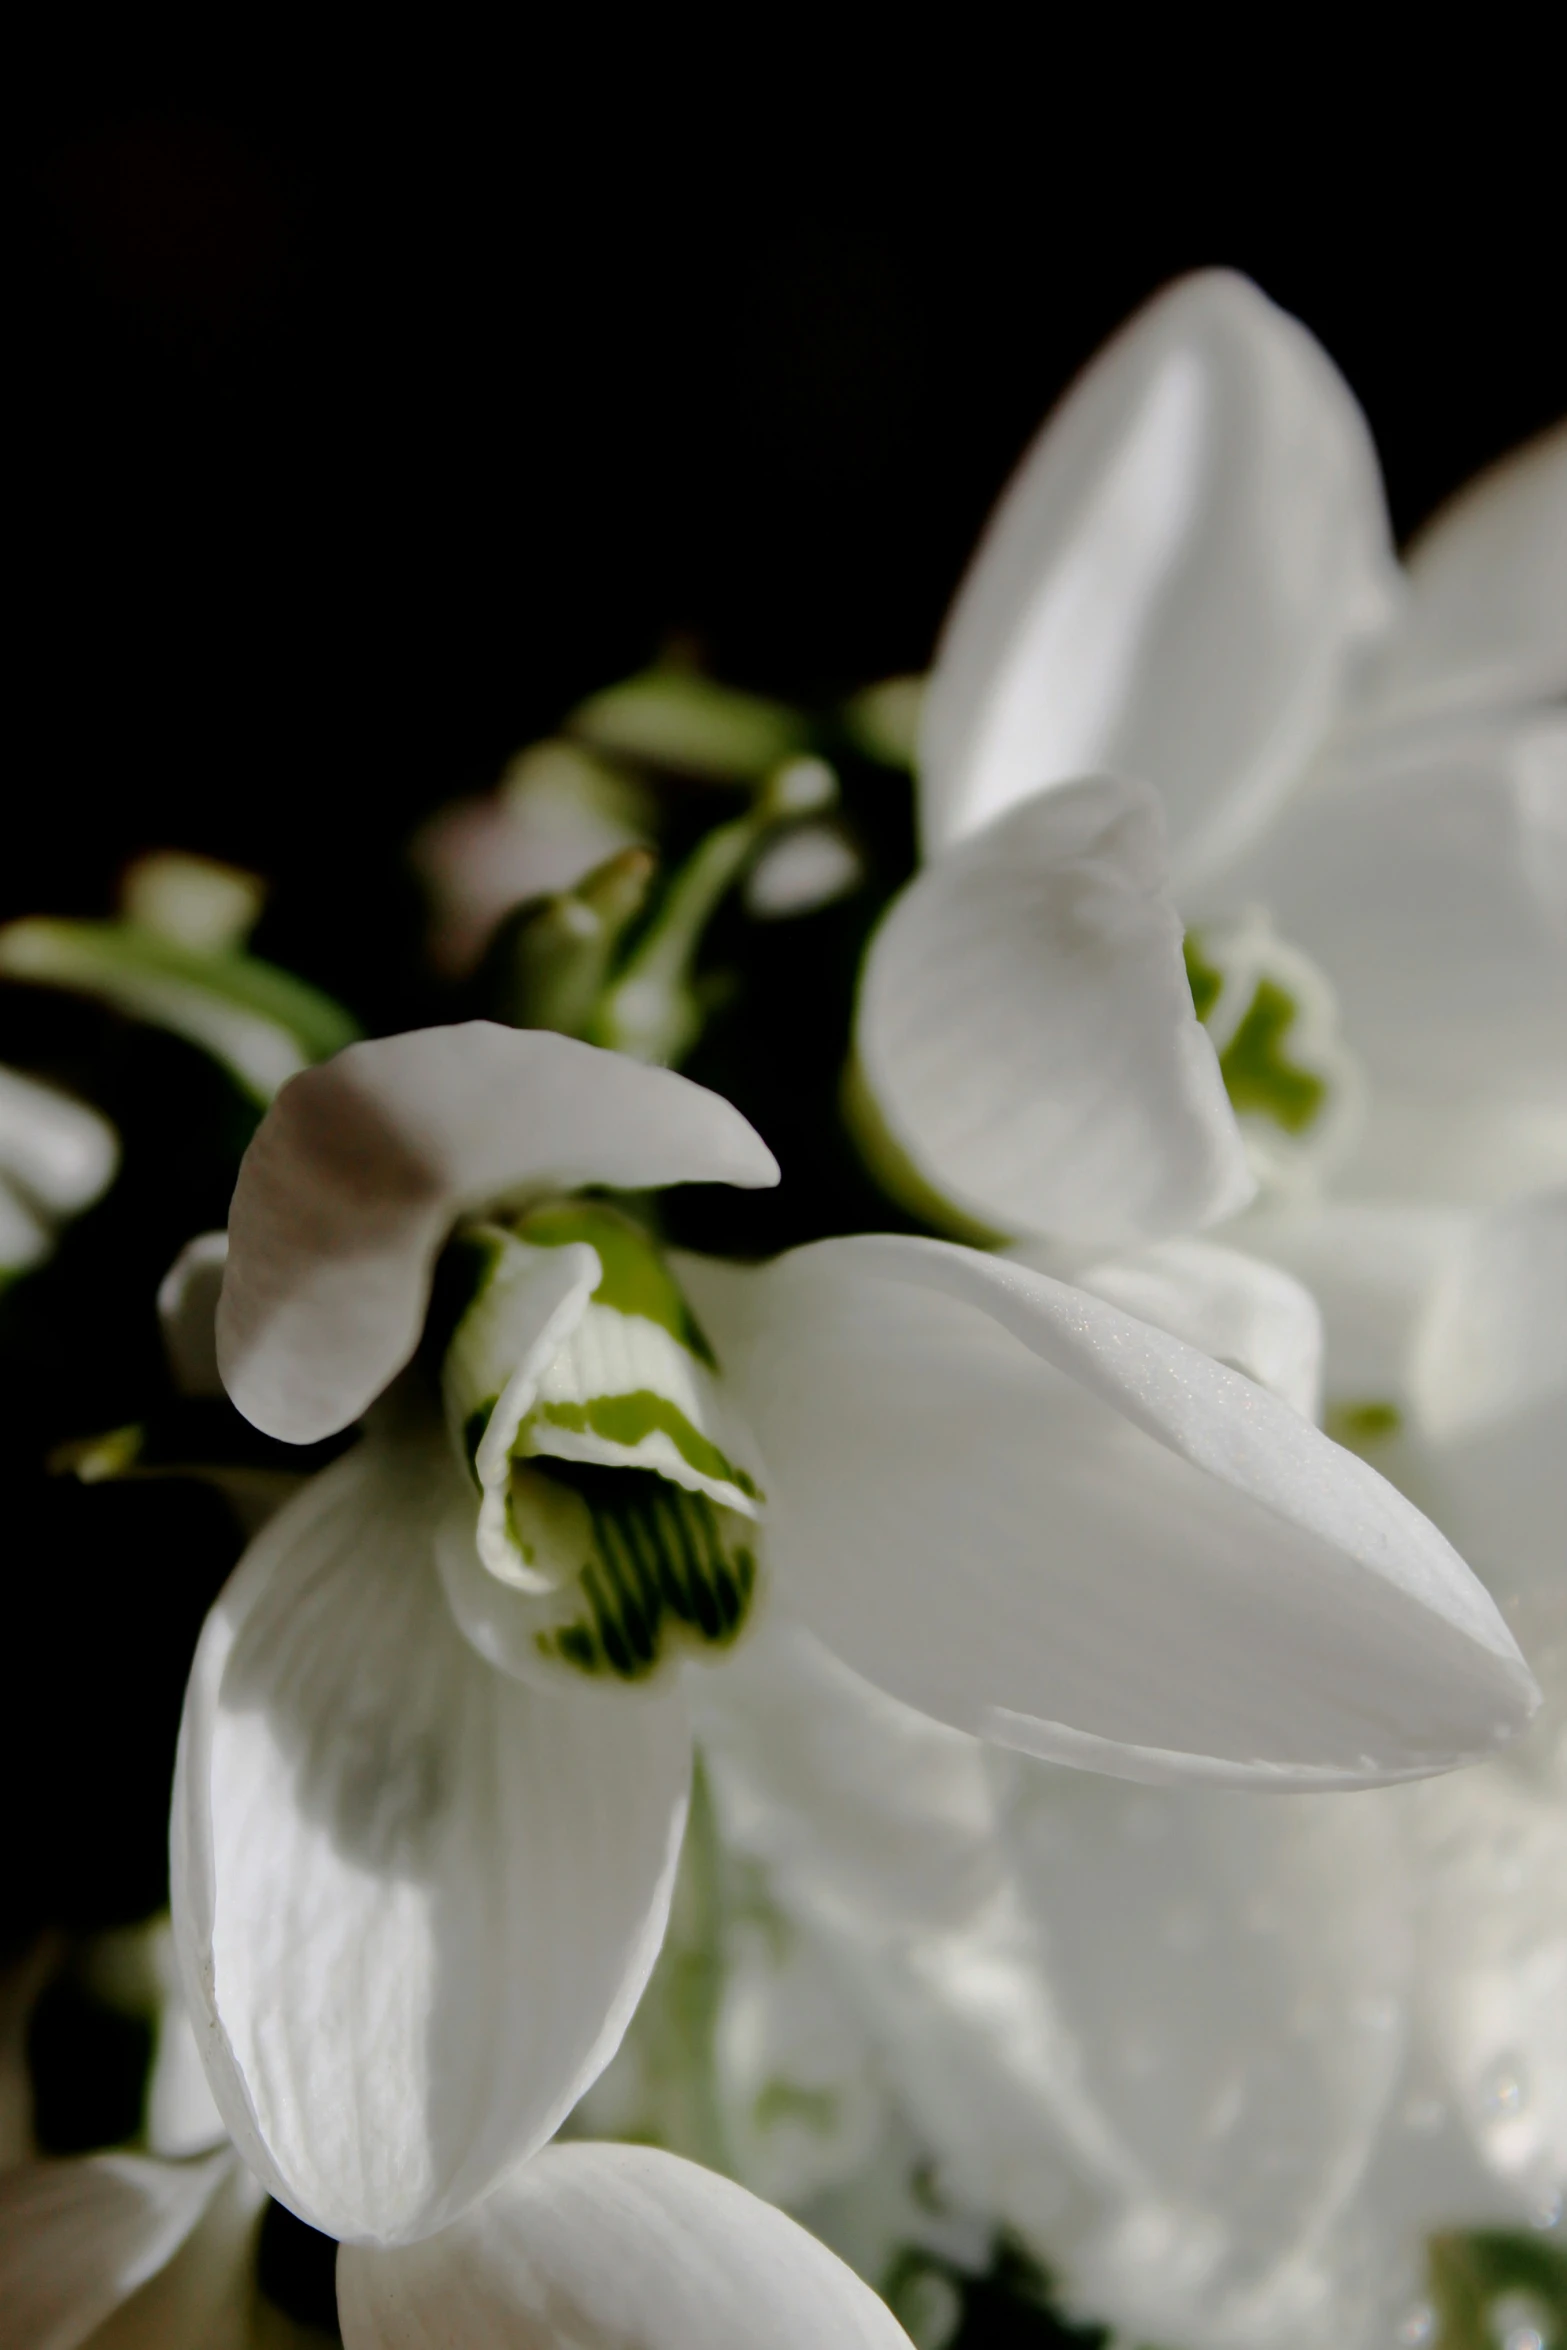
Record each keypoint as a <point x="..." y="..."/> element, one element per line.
<point x="648" y="1569"/>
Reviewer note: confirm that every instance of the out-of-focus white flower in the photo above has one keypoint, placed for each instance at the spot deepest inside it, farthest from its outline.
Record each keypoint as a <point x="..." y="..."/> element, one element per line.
<point x="177" y="959"/>
<point x="156" y="2249"/>
<point x="558" y="812"/>
<point x="436" y="1744"/>
<point x="1190" y="581"/>
<point x="56" y="1157"/>
<point x="1283" y="2043"/>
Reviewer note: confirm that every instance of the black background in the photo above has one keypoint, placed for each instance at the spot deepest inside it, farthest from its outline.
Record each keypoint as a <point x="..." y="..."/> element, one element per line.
<point x="370" y="408"/>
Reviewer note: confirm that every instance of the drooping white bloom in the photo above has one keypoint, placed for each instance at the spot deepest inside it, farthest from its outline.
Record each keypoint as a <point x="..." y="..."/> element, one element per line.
<point x="1191" y="582"/>
<point x="56" y="1157"/>
<point x="434" y="1759"/>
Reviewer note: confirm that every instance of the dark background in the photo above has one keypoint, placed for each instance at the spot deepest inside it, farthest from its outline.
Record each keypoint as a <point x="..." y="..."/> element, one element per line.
<point x="368" y="410"/>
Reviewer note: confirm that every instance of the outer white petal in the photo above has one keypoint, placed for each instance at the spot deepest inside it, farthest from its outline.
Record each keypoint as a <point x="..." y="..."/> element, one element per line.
<point x="78" y="2240"/>
<point x="361" y="1167"/>
<point x="1175" y="582"/>
<point x="1229" y="1974"/>
<point x="415" y="1902"/>
<point x="1014" y="1506"/>
<point x="1254" y="1317"/>
<point x="1487" y="619"/>
<point x="1428" y="877"/>
<point x="1026" y="1029"/>
<point x="876" y="1826"/>
<point x="613" y="2248"/>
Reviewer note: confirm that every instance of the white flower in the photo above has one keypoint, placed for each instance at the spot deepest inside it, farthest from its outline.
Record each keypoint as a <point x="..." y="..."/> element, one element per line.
<point x="434" y="1759"/>
<point x="157" y="2245"/>
<point x="134" y="2249"/>
<point x="56" y="1157"/>
<point x="1191" y="582"/>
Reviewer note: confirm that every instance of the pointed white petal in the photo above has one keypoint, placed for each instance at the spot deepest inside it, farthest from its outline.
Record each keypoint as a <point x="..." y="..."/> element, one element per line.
<point x="606" y="2248"/>
<point x="188" y="1313"/>
<point x="79" y="2239"/>
<point x="415" y="1902"/>
<point x="1487" y="617"/>
<point x="1026" y="1029"/>
<point x="1428" y="877"/>
<point x="1252" y="1316"/>
<point x="1230" y="1975"/>
<point x="60" y="1152"/>
<point x="362" y="1166"/>
<point x="1038" y="1519"/>
<point x="1175" y="582"/>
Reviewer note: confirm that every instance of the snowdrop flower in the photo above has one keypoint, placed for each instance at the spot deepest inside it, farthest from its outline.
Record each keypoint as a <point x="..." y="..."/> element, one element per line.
<point x="158" y="2247"/>
<point x="434" y="1760"/>
<point x="1190" y="581"/>
<point x="56" y="1157"/>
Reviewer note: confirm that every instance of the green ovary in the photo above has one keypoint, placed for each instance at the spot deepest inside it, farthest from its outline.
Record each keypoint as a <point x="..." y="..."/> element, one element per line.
<point x="1256" y="1073"/>
<point x="658" y="1565"/>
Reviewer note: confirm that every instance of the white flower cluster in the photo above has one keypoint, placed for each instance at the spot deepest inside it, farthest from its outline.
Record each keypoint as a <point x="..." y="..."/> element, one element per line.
<point x="1032" y="1589"/>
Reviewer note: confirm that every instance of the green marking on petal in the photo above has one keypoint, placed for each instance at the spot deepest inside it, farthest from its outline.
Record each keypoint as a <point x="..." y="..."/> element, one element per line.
<point x="635" y="1279"/>
<point x="1257" y="1072"/>
<point x="627" y="1419"/>
<point x="665" y="1568"/>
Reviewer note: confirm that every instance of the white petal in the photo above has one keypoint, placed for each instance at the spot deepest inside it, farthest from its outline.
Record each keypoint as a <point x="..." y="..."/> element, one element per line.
<point x="1027" y="1033"/>
<point x="1491" y="1852"/>
<point x="188" y="1313"/>
<point x="1251" y="1316"/>
<point x="60" y="1152"/>
<point x="613" y="2248"/>
<point x="361" y="1167"/>
<point x="79" y="2239"/>
<point x="875" y="1825"/>
<point x="415" y="1902"/>
<point x="1489" y="1382"/>
<point x="1175" y="582"/>
<point x="1230" y="1974"/>
<point x="1428" y="877"/>
<point x="1038" y="1519"/>
<point x="1370" y="1267"/>
<point x="1487" y="618"/>
<point x="1494" y="1341"/>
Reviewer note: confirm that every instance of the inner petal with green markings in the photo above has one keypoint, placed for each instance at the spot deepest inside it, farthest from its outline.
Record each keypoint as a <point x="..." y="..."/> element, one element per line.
<point x="617" y="1494"/>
